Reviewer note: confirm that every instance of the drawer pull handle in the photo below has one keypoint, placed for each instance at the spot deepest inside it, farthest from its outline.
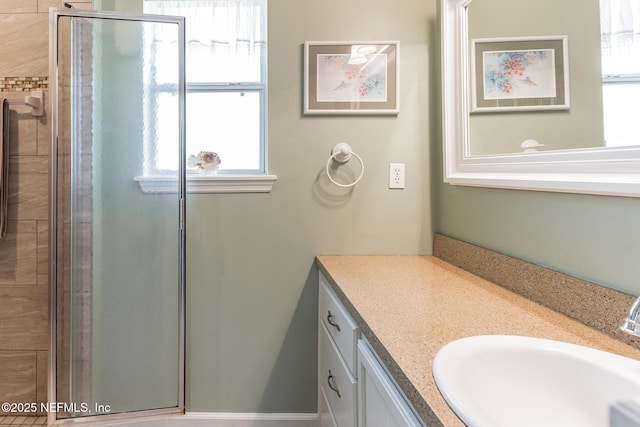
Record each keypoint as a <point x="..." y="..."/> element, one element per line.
<point x="331" y="386"/>
<point x="331" y="322"/>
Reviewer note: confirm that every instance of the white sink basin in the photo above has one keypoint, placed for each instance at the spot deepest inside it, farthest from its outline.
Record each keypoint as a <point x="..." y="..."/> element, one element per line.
<point x="511" y="381"/>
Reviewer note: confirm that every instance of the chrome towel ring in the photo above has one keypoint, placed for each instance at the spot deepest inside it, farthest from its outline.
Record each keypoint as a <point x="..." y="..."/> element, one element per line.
<point x="342" y="153"/>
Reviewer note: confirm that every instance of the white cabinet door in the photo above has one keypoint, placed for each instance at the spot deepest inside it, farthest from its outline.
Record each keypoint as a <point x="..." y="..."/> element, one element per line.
<point x="379" y="402"/>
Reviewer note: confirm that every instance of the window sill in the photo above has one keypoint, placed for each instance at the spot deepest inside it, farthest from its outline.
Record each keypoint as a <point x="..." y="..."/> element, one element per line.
<point x="209" y="184"/>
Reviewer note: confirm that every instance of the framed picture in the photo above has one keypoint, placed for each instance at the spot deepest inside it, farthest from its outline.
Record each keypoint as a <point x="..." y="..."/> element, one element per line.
<point x="511" y="74"/>
<point x="351" y="77"/>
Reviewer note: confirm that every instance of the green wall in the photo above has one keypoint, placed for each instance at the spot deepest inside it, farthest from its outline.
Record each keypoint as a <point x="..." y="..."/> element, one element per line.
<point x="596" y="238"/>
<point x="252" y="285"/>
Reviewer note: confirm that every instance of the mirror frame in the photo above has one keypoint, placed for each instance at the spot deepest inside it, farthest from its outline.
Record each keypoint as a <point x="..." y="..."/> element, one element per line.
<point x="606" y="171"/>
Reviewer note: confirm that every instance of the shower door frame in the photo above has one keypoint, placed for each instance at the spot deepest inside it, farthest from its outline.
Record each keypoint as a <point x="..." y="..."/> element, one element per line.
<point x="54" y="16"/>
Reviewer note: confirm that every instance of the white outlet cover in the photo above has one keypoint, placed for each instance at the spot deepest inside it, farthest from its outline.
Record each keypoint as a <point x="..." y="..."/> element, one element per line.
<point x="396" y="175"/>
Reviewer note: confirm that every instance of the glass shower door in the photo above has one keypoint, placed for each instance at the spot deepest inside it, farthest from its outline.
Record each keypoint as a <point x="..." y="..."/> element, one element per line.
<point x="117" y="252"/>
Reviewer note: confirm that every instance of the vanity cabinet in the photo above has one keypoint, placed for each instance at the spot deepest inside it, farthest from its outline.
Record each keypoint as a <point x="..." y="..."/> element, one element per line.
<point x="354" y="388"/>
<point x="337" y="339"/>
<point x="380" y="403"/>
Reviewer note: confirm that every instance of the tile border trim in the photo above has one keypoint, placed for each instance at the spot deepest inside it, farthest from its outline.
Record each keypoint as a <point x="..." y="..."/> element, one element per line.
<point x="23" y="84"/>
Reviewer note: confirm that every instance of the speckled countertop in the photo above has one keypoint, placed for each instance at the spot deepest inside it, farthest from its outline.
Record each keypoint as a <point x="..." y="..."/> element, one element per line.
<point x="408" y="307"/>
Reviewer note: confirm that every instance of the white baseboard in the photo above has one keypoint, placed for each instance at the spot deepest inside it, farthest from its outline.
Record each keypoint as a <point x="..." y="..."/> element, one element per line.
<point x="225" y="419"/>
<point x="221" y="419"/>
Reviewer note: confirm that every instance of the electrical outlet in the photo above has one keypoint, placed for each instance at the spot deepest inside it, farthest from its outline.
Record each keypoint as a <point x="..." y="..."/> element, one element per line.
<point x="396" y="175"/>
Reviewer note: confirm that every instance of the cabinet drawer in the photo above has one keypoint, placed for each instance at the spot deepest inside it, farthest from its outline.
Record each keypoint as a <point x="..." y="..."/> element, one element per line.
<point x="336" y="382"/>
<point x="341" y="327"/>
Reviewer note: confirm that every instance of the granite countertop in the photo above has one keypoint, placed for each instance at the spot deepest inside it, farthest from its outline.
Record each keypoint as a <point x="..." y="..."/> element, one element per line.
<point x="408" y="307"/>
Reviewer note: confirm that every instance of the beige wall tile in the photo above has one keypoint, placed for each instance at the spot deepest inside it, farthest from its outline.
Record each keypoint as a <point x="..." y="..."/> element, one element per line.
<point x="24" y="51"/>
<point x="43" y="129"/>
<point x="18" y="259"/>
<point x="18" y="6"/>
<point x="23" y="135"/>
<point x="44" y="5"/>
<point x="23" y="227"/>
<point x="87" y="5"/>
<point x="28" y="194"/>
<point x="42" y="370"/>
<point x="20" y="55"/>
<point x="42" y="268"/>
<point x="28" y="164"/>
<point x="24" y="318"/>
<point x="18" y="376"/>
<point x="43" y="279"/>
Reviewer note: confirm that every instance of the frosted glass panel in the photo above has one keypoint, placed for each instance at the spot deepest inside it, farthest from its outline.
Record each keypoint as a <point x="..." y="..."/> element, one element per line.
<point x="118" y="250"/>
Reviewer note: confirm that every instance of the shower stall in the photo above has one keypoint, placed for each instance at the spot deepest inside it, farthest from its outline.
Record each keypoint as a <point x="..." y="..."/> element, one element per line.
<point x="117" y="253"/>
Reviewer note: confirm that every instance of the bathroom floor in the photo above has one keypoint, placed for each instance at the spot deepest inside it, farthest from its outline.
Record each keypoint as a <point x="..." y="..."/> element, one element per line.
<point x="12" y="421"/>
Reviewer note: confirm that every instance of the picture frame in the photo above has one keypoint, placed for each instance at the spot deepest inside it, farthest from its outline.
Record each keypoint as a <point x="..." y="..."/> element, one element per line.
<point x="519" y="74"/>
<point x="351" y="77"/>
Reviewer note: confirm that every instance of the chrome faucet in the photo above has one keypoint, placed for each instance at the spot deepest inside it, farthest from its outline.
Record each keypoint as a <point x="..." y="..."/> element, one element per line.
<point x="631" y="323"/>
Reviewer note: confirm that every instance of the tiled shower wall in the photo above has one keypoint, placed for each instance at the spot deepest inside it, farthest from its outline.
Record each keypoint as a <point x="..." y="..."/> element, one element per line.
<point x="24" y="62"/>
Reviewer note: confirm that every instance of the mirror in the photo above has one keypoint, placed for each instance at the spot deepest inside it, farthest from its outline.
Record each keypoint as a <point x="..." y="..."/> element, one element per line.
<point x="515" y="78"/>
<point x="523" y="99"/>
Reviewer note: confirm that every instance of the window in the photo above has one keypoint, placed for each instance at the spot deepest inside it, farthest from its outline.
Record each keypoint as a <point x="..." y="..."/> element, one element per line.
<point x="620" y="29"/>
<point x="226" y="86"/>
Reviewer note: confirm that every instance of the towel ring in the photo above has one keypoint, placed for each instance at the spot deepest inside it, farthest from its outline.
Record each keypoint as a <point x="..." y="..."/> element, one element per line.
<point x="342" y="153"/>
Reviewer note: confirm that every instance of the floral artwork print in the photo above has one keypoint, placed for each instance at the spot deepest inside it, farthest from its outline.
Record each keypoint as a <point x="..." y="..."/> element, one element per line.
<point x="340" y="81"/>
<point x="519" y="74"/>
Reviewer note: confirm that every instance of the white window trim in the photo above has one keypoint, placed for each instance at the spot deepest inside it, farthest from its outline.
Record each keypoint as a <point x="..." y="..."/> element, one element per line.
<point x="208" y="184"/>
<point x="258" y="182"/>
